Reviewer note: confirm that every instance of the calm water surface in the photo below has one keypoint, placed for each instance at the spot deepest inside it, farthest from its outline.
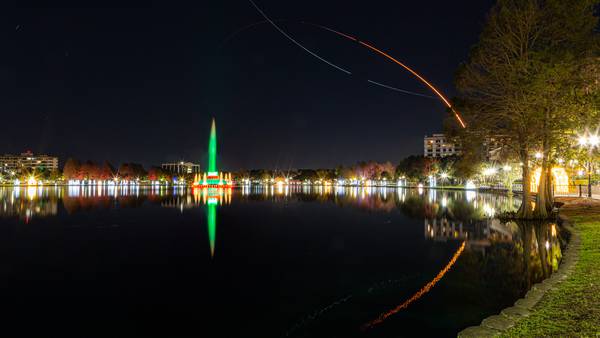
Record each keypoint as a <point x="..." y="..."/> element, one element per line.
<point x="261" y="262"/>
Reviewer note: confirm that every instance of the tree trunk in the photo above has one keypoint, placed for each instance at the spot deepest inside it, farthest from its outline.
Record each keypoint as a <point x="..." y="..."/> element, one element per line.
<point x="541" y="199"/>
<point x="525" y="211"/>
<point x="544" y="200"/>
<point x="550" y="189"/>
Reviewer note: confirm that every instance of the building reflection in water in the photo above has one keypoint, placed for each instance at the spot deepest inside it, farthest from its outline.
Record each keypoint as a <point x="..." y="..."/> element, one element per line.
<point x="448" y="215"/>
<point x="507" y="257"/>
<point x="31" y="202"/>
<point x="44" y="201"/>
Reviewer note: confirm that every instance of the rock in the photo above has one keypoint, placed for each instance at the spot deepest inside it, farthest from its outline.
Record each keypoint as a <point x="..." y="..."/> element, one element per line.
<point x="516" y="312"/>
<point x="498" y="322"/>
<point x="537" y="294"/>
<point x="478" y="331"/>
<point x="526" y="303"/>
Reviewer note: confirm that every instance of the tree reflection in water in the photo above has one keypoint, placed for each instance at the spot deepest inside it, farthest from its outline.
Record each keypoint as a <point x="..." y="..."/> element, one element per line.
<point x="506" y="257"/>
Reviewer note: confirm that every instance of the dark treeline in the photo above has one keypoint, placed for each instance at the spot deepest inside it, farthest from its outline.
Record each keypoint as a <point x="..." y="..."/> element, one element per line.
<point x="414" y="168"/>
<point x="89" y="170"/>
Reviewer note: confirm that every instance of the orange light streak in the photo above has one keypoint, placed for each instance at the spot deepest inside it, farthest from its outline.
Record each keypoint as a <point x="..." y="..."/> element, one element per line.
<point x="422" y="79"/>
<point x="331" y="30"/>
<point x="419" y="293"/>
<point x="410" y="70"/>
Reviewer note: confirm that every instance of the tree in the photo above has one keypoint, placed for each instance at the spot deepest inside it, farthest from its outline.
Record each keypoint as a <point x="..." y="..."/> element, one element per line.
<point x="153" y="174"/>
<point x="55" y="175"/>
<point x="509" y="176"/>
<point x="306" y="174"/>
<point x="386" y="175"/>
<point x="106" y="172"/>
<point x="71" y="170"/>
<point x="132" y="171"/>
<point x="416" y="167"/>
<point x="523" y="83"/>
<point x="41" y="173"/>
<point x="158" y="174"/>
<point x="562" y="82"/>
<point x="89" y="170"/>
<point x="324" y="174"/>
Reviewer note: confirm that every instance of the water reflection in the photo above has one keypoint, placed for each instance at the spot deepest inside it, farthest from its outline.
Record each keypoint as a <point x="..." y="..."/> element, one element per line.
<point x="212" y="197"/>
<point x="425" y="289"/>
<point x="448" y="215"/>
<point x="31" y="202"/>
<point x="455" y="251"/>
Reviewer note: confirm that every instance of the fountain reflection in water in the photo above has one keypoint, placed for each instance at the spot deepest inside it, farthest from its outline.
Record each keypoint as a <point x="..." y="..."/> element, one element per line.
<point x="506" y="256"/>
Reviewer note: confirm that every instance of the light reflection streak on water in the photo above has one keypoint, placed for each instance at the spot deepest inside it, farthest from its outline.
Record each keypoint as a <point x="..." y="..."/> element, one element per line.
<point x="374" y="198"/>
<point x="377" y="198"/>
<point x="425" y="289"/>
<point x="211" y="220"/>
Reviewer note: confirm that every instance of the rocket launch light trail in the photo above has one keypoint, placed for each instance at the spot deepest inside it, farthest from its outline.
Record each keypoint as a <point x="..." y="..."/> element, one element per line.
<point x="419" y="293"/>
<point x="389" y="57"/>
<point x="296" y="42"/>
<point x="369" y="46"/>
<point x="422" y="79"/>
<point x="254" y="24"/>
<point x="272" y="22"/>
<point x="399" y="90"/>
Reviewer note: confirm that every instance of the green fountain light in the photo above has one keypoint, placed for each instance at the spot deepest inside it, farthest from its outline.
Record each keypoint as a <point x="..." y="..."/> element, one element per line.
<point x="212" y="177"/>
<point x="212" y="150"/>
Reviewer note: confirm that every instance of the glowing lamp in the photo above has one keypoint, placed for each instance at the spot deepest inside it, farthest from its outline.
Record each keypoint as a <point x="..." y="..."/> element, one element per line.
<point x="31" y="181"/>
<point x="489" y="171"/>
<point x="593" y="140"/>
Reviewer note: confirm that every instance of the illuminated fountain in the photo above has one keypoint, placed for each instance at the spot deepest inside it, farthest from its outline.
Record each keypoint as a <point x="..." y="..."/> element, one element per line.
<point x="212" y="178"/>
<point x="212" y="184"/>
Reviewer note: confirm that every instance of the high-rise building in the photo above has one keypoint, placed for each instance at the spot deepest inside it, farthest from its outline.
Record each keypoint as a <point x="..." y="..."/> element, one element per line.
<point x="181" y="167"/>
<point x="438" y="145"/>
<point x="27" y="161"/>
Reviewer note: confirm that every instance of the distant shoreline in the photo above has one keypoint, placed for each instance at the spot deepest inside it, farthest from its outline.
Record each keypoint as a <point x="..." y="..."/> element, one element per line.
<point x="391" y="186"/>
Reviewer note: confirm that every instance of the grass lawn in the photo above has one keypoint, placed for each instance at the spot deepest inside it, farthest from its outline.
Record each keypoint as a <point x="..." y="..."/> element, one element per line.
<point x="572" y="309"/>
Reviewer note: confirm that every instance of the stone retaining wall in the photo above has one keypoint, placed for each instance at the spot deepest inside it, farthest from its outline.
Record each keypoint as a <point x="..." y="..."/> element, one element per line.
<point x="495" y="325"/>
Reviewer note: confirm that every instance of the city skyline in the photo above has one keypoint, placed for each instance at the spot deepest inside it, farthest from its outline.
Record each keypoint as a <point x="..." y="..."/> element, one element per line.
<point x="176" y="68"/>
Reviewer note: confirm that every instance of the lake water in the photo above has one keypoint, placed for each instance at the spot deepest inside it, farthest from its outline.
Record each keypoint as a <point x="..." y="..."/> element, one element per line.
<point x="261" y="262"/>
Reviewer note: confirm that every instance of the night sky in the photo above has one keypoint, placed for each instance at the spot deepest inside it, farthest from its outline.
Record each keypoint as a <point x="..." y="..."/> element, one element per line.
<point x="139" y="82"/>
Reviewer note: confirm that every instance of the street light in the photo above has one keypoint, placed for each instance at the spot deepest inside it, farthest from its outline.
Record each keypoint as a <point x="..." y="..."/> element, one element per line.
<point x="593" y="140"/>
<point x="589" y="141"/>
